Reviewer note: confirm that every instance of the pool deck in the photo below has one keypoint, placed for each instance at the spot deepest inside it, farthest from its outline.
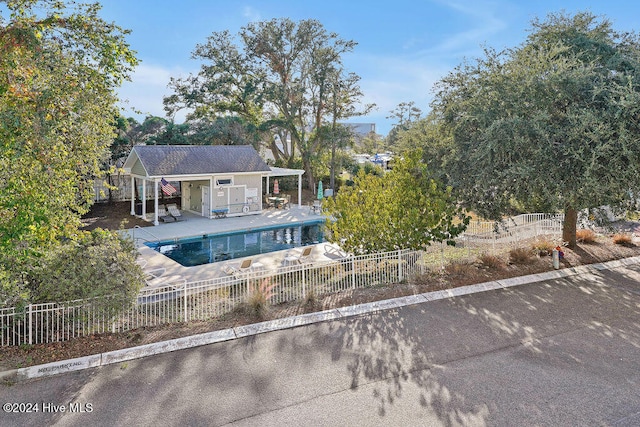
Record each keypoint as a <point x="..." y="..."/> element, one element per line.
<point x="194" y="225"/>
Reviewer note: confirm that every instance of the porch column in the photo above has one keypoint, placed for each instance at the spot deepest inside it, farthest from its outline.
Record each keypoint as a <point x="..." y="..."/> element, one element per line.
<point x="300" y="190"/>
<point x="266" y="192"/>
<point x="155" y="203"/>
<point x="144" y="198"/>
<point x="210" y="197"/>
<point x="133" y="195"/>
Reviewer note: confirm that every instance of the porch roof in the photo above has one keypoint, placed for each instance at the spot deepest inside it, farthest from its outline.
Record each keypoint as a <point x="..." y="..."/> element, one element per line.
<point x="285" y="172"/>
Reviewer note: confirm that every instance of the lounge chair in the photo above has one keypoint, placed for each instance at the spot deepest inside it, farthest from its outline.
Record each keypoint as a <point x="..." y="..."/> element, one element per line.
<point x="246" y="265"/>
<point x="174" y="282"/>
<point x="175" y="212"/>
<point x="154" y="273"/>
<point x="296" y="257"/>
<point x="164" y="216"/>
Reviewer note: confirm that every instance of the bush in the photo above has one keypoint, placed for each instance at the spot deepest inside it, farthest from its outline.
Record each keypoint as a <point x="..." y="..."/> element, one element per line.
<point x="622" y="239"/>
<point x="98" y="264"/>
<point x="459" y="268"/>
<point x="491" y="261"/>
<point x="259" y="299"/>
<point x="520" y="256"/>
<point x="543" y="247"/>
<point x="311" y="302"/>
<point x="585" y="236"/>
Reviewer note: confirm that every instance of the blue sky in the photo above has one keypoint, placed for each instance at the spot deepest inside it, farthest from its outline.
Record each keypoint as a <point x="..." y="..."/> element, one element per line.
<point x="404" y="46"/>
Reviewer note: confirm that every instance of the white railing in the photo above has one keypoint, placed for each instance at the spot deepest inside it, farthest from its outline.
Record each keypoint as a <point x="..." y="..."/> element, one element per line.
<point x="519" y="227"/>
<point x="208" y="299"/>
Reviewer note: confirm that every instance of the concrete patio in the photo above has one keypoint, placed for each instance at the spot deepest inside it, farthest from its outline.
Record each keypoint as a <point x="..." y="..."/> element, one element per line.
<point x="195" y="225"/>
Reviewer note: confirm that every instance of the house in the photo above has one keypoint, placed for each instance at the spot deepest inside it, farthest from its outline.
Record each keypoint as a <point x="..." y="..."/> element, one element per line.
<point x="211" y="177"/>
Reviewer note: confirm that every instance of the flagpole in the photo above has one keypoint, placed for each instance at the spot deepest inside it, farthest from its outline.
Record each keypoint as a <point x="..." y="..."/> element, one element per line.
<point x="155" y="213"/>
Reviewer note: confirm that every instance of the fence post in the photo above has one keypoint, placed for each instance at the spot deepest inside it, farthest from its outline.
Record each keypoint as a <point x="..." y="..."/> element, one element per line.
<point x="400" y="265"/>
<point x="353" y="272"/>
<point x="304" y="294"/>
<point x="184" y="296"/>
<point x="30" y="324"/>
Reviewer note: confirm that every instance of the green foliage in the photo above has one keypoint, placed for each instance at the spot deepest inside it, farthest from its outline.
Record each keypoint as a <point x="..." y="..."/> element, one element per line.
<point x="283" y="77"/>
<point x="59" y="66"/>
<point x="554" y="121"/>
<point x="432" y="137"/>
<point x="99" y="263"/>
<point x="403" y="209"/>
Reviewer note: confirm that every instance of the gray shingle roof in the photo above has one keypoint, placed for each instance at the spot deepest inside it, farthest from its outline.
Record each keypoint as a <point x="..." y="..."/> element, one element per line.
<point x="165" y="160"/>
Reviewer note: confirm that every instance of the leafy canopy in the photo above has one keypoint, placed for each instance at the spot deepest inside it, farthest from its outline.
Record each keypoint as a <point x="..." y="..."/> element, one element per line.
<point x="284" y="77"/>
<point x="59" y="66"/>
<point x="403" y="209"/>
<point x="555" y="121"/>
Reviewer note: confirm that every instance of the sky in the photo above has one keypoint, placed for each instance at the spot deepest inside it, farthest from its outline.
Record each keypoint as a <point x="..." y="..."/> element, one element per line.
<point x="403" y="47"/>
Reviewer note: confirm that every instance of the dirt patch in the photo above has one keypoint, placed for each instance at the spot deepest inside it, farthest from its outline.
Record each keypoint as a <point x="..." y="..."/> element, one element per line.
<point x="112" y="216"/>
<point x="453" y="275"/>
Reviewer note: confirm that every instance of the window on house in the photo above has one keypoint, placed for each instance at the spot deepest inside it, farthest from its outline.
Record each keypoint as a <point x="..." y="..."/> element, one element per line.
<point x="222" y="181"/>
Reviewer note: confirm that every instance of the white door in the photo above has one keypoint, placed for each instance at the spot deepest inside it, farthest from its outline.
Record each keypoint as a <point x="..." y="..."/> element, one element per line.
<point x="206" y="208"/>
<point x="186" y="198"/>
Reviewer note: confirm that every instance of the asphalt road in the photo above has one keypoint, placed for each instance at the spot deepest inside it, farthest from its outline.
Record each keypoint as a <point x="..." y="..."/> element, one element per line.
<point x="556" y="353"/>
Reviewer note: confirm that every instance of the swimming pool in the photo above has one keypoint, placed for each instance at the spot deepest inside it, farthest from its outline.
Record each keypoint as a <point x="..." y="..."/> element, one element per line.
<point x="211" y="248"/>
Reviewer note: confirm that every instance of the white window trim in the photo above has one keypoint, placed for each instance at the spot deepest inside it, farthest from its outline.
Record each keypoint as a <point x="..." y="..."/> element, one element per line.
<point x="221" y="178"/>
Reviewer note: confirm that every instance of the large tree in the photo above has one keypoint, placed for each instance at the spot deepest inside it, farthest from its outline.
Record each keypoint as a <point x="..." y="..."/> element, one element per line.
<point x="555" y="120"/>
<point x="402" y="209"/>
<point x="278" y="75"/>
<point x="59" y="66"/>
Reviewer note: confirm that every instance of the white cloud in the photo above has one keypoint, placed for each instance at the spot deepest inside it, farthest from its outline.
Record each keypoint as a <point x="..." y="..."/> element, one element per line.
<point x="484" y="22"/>
<point x="251" y="14"/>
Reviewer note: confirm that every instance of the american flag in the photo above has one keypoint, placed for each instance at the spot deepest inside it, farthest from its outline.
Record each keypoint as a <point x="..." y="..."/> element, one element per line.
<point x="167" y="188"/>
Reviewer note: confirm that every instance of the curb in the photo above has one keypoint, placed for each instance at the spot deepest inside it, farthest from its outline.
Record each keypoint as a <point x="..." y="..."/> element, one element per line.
<point x="123" y="355"/>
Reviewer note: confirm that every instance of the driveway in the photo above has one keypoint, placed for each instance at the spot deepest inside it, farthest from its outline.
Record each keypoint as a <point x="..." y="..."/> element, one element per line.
<point x="557" y="353"/>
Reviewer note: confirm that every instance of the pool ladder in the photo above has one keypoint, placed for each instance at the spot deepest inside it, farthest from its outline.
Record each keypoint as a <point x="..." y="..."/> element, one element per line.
<point x="156" y="239"/>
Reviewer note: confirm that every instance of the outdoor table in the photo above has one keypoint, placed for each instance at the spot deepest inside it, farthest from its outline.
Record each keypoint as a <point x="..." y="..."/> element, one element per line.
<point x="277" y="201"/>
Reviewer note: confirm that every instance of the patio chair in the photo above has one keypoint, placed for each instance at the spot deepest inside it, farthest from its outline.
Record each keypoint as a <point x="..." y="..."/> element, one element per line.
<point x="316" y="207"/>
<point x="246" y="265"/>
<point x="296" y="257"/>
<point x="164" y="216"/>
<point x="175" y="212"/>
<point x="287" y="202"/>
<point x="269" y="203"/>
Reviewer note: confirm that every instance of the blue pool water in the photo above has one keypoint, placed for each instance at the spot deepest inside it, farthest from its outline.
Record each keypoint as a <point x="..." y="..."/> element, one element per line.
<point x="220" y="247"/>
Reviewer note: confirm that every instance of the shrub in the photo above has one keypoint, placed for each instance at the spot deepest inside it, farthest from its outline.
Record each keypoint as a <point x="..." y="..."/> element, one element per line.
<point x="98" y="264"/>
<point x="543" y="247"/>
<point x="428" y="281"/>
<point x="490" y="261"/>
<point x="459" y="268"/>
<point x="622" y="239"/>
<point x="259" y="298"/>
<point x="311" y="301"/>
<point x="520" y="256"/>
<point x="585" y="236"/>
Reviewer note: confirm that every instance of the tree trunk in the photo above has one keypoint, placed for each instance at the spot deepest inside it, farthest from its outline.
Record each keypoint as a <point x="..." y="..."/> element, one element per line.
<point x="306" y="165"/>
<point x="332" y="177"/>
<point x="569" y="226"/>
